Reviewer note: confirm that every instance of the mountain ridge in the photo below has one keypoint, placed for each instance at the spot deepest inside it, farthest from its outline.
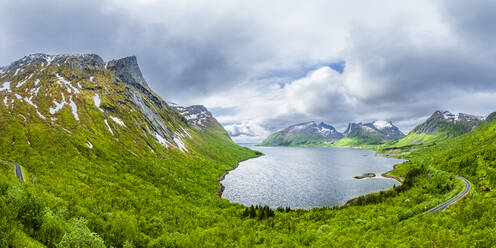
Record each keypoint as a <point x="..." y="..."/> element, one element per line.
<point x="52" y="85"/>
<point x="439" y="126"/>
<point x="306" y="133"/>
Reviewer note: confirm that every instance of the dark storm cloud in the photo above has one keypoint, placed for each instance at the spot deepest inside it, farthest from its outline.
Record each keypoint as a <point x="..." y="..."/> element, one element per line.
<point x="254" y="65"/>
<point x="474" y="21"/>
<point x="173" y="64"/>
<point x="405" y="76"/>
<point x="415" y="79"/>
<point x="393" y="61"/>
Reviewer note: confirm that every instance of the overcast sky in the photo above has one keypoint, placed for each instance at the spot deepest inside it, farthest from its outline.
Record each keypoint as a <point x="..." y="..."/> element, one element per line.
<point x="262" y="65"/>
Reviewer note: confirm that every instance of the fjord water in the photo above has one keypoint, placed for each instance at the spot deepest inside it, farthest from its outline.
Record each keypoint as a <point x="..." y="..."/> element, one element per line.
<point x="306" y="177"/>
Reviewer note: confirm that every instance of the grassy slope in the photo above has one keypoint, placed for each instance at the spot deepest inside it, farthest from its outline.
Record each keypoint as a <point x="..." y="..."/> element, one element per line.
<point x="112" y="180"/>
<point x="174" y="203"/>
<point x="130" y="195"/>
<point x="417" y="139"/>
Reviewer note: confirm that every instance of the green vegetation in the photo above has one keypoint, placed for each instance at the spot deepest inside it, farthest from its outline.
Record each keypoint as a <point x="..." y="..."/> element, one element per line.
<point x="301" y="139"/>
<point x="362" y="142"/>
<point x="152" y="212"/>
<point x="130" y="191"/>
<point x="435" y="129"/>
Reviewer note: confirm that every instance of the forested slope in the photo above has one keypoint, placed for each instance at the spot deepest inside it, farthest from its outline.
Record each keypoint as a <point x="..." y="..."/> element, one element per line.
<point x="130" y="188"/>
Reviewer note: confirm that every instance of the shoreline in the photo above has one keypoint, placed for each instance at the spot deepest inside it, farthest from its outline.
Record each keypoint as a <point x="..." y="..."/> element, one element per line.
<point x="385" y="174"/>
<point x="226" y="172"/>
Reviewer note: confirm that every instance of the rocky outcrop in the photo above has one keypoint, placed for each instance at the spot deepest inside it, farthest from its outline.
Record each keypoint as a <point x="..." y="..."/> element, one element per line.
<point x="127" y="70"/>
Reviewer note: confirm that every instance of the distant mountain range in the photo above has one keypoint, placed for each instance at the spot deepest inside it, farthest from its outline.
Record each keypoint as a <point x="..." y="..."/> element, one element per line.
<point x="313" y="134"/>
<point x="440" y="125"/>
<point x="372" y="133"/>
<point x="307" y="133"/>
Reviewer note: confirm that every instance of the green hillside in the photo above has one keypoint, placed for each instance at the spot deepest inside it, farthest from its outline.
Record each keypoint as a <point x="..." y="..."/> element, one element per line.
<point x="358" y="137"/>
<point x="130" y="190"/>
<point x="436" y="128"/>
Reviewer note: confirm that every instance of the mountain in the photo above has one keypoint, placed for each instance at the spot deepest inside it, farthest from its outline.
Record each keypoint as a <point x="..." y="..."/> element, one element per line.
<point x="491" y="117"/>
<point x="311" y="133"/>
<point x="372" y="133"/>
<point x="99" y="147"/>
<point x="199" y="117"/>
<point x="308" y="133"/>
<point x="439" y="126"/>
<point x="109" y="163"/>
<point x="84" y="94"/>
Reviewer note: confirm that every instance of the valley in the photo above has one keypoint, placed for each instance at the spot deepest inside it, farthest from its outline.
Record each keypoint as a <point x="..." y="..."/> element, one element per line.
<point x="112" y="164"/>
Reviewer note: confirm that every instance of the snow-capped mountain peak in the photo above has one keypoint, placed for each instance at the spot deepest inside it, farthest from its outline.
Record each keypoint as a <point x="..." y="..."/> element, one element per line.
<point x="382" y="124"/>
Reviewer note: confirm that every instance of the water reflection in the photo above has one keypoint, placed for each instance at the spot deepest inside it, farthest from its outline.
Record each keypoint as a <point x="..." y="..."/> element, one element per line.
<point x="306" y="177"/>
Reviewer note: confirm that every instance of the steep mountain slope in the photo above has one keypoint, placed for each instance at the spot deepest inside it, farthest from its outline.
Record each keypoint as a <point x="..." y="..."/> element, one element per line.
<point x="439" y="126"/>
<point x="99" y="143"/>
<point x="308" y="133"/>
<point x="472" y="155"/>
<point x="123" y="187"/>
<point x="491" y="117"/>
<point x="372" y="133"/>
<point x="199" y="117"/>
<point x="87" y="98"/>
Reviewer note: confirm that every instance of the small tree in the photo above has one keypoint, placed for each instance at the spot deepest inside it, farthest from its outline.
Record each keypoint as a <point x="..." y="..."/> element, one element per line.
<point x="80" y="236"/>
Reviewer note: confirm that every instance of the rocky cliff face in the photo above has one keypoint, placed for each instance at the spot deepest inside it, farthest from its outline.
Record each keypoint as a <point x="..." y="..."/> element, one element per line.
<point x="128" y="70"/>
<point x="93" y="101"/>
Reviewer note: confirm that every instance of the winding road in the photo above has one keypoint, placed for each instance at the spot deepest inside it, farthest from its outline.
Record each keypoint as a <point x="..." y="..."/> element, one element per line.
<point x="18" y="170"/>
<point x="454" y="199"/>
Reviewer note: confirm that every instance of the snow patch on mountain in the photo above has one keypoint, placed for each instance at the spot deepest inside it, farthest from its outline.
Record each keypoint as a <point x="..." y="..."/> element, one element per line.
<point x="97" y="101"/>
<point x="58" y="106"/>
<point x="67" y="84"/>
<point x="5" y="86"/>
<point x="21" y="83"/>
<point x="35" y="91"/>
<point x="382" y="124"/>
<point x="74" y="108"/>
<point x="180" y="144"/>
<point x="28" y="100"/>
<point x="118" y="121"/>
<point x="161" y="139"/>
<point x="108" y="126"/>
<point x="196" y="115"/>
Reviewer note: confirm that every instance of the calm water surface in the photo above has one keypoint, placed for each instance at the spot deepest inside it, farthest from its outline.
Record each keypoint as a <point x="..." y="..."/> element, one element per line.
<point x="306" y="177"/>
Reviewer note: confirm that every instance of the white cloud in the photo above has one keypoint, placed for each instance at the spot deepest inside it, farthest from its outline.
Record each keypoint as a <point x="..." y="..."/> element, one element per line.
<point x="266" y="61"/>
